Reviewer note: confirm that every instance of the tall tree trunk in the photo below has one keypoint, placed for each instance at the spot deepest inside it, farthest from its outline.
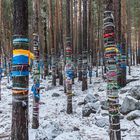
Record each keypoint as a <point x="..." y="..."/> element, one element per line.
<point x="98" y="40"/>
<point x="52" y="45"/>
<point x="129" y="44"/>
<point x="0" y="47"/>
<point x="84" y="78"/>
<point x="20" y="73"/>
<point x="36" y="67"/>
<point x="0" y="68"/>
<point x="72" y="33"/>
<point x="46" y="72"/>
<point x="69" y="66"/>
<point x="56" y="37"/>
<point x="80" y="43"/>
<point x="124" y="58"/>
<point x="138" y="57"/>
<point x="120" y="39"/>
<point x="112" y="86"/>
<point x="90" y="38"/>
<point x="136" y="45"/>
<point x="75" y="37"/>
<point x="46" y="50"/>
<point x="61" y="43"/>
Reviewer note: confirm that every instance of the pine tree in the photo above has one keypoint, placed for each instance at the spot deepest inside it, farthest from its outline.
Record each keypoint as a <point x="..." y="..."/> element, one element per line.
<point x="84" y="53"/>
<point x="20" y="73"/>
<point x="52" y="44"/>
<point x="69" y="66"/>
<point x="80" y="42"/>
<point x="46" y="52"/>
<point x="111" y="65"/>
<point x="0" y="48"/>
<point x="61" y="43"/>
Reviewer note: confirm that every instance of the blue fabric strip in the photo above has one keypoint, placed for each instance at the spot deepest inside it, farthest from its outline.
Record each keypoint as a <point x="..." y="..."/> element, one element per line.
<point x="21" y="59"/>
<point x="35" y="89"/>
<point x="26" y="40"/>
<point x="123" y="66"/>
<point x="20" y="73"/>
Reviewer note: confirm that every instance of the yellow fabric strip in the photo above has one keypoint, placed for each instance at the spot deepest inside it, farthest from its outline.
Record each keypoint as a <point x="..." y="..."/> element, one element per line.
<point x="23" y="52"/>
<point x="20" y="91"/>
<point x="112" y="48"/>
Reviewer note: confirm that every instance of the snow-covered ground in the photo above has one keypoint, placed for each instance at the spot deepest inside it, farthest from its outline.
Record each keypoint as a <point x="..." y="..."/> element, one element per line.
<point x="56" y="124"/>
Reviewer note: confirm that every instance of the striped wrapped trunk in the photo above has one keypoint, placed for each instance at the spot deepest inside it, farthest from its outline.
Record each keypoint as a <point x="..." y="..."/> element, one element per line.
<point x="36" y="66"/>
<point x="84" y="53"/>
<point x="111" y="52"/>
<point x="69" y="73"/>
<point x="36" y="80"/>
<point x="20" y="72"/>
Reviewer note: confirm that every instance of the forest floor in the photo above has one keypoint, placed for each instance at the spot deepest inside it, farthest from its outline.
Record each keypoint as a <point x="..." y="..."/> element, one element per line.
<point x="56" y="124"/>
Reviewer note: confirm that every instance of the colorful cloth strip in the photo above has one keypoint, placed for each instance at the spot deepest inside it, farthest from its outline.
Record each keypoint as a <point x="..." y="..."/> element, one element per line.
<point x="20" y="73"/>
<point x="20" y="59"/>
<point x="26" y="40"/>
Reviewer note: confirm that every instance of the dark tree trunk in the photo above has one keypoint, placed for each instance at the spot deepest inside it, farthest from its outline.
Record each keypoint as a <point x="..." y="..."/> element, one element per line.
<point x="84" y="74"/>
<point x="0" y="47"/>
<point x="20" y="75"/>
<point x="52" y="45"/>
<point x="120" y="40"/>
<point x="90" y="39"/>
<point x="45" y="50"/>
<point x="61" y="45"/>
<point x="69" y="66"/>
<point x="80" y="44"/>
<point x="0" y="71"/>
<point x="75" y="39"/>
<point x="129" y="50"/>
<point x="111" y="65"/>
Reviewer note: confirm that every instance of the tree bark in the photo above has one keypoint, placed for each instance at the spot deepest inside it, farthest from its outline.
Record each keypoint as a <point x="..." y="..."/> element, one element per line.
<point x="111" y="65"/>
<point x="36" y="67"/>
<point x="129" y="44"/>
<point x="80" y="44"/>
<point x="52" y="45"/>
<point x="120" y="39"/>
<point x="46" y="71"/>
<point x="69" y="66"/>
<point x="90" y="39"/>
<point x="61" y="69"/>
<point x="84" y="73"/>
<point x="0" y="47"/>
<point x="20" y="73"/>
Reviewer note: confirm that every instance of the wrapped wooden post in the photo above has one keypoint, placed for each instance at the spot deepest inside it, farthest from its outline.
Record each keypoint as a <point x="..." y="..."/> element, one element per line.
<point x="61" y="68"/>
<point x="80" y="44"/>
<point x="69" y="73"/>
<point x="84" y="53"/>
<point x="20" y="72"/>
<point x="53" y="67"/>
<point x="111" y="66"/>
<point x="90" y="68"/>
<point x="46" y="70"/>
<point x="36" y="66"/>
<point x="36" y="79"/>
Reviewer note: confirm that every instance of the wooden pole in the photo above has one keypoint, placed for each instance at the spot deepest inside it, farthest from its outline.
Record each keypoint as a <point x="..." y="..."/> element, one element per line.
<point x="36" y="67"/>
